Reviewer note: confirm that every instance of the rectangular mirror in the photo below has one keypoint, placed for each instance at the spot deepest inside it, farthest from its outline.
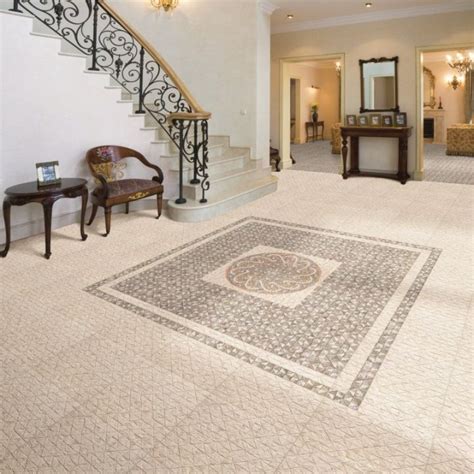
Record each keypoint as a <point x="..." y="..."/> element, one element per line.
<point x="379" y="85"/>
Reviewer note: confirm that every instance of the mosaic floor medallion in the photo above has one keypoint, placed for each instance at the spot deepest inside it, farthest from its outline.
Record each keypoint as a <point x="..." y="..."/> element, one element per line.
<point x="320" y="308"/>
<point x="273" y="273"/>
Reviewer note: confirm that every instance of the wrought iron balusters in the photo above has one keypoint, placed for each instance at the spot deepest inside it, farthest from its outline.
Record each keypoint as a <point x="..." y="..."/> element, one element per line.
<point x="95" y="30"/>
<point x="140" y="85"/>
<point x="202" y="165"/>
<point x="94" y="37"/>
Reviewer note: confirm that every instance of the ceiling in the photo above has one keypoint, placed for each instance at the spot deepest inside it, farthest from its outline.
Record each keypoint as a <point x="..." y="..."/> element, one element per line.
<point x="310" y="14"/>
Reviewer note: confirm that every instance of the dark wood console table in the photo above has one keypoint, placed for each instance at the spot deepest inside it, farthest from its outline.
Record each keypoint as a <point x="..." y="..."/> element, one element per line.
<point x="402" y="133"/>
<point x="46" y="196"/>
<point x="314" y="128"/>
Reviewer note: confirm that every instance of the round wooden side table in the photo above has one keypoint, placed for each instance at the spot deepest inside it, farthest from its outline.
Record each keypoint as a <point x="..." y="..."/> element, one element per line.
<point x="46" y="196"/>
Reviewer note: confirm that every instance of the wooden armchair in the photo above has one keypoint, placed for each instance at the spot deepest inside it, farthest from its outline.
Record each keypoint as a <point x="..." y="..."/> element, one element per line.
<point x="105" y="166"/>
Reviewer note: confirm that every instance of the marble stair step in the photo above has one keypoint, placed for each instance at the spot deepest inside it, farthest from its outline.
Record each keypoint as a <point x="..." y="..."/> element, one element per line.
<point x="226" y="201"/>
<point x="227" y="181"/>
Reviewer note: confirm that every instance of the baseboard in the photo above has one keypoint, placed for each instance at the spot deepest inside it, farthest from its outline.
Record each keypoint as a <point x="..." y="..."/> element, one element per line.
<point x="418" y="175"/>
<point x="28" y="229"/>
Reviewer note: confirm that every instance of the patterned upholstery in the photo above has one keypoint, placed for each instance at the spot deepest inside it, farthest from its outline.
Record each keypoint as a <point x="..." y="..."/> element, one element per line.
<point x="460" y="140"/>
<point x="127" y="186"/>
<point x="106" y="165"/>
<point x="336" y="138"/>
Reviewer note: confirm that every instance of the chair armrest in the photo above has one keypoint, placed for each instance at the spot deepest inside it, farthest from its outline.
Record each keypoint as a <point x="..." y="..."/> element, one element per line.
<point x="159" y="173"/>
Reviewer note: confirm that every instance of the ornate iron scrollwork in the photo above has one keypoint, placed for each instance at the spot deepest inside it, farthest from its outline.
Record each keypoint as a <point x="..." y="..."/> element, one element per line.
<point x="95" y="32"/>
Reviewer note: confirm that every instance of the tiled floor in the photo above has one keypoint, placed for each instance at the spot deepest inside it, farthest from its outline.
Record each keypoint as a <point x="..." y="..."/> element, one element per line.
<point x="447" y="168"/>
<point x="92" y="386"/>
<point x="315" y="156"/>
<point x="439" y="167"/>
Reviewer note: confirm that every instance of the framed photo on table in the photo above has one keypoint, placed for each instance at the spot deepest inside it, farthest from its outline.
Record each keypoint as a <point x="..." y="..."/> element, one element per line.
<point x="47" y="173"/>
<point x="401" y="119"/>
<point x="351" y="120"/>
<point x="387" y="120"/>
<point x="363" y="121"/>
<point x="375" y="120"/>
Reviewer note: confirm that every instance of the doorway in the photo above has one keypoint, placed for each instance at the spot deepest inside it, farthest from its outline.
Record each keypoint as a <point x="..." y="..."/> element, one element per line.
<point x="444" y="117"/>
<point x="311" y="105"/>
<point x="295" y="114"/>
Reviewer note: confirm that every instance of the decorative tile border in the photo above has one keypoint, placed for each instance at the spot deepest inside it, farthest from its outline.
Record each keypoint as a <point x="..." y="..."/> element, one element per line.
<point x="352" y="396"/>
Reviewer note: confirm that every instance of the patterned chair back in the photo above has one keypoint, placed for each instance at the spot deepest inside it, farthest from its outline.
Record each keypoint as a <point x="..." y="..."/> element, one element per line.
<point x="107" y="161"/>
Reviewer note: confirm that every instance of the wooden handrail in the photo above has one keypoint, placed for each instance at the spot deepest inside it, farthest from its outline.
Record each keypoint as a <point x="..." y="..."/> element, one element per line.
<point x="156" y="56"/>
<point x="189" y="116"/>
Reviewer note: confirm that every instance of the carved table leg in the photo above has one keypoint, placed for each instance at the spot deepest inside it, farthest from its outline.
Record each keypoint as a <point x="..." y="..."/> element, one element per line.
<point x="48" y="212"/>
<point x="403" y="160"/>
<point x="354" y="155"/>
<point x="85" y="195"/>
<point x="344" y="157"/>
<point x="6" y="216"/>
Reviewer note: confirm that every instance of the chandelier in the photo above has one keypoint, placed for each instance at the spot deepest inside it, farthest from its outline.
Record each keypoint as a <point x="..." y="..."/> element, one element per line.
<point x="165" y="4"/>
<point x="462" y="63"/>
<point x="338" y="69"/>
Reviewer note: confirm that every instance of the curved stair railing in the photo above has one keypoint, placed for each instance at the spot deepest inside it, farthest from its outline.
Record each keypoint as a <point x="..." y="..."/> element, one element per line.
<point x="97" y="30"/>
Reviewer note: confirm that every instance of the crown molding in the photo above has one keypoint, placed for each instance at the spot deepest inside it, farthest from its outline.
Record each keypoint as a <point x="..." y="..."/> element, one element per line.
<point x="454" y="6"/>
<point x="267" y="7"/>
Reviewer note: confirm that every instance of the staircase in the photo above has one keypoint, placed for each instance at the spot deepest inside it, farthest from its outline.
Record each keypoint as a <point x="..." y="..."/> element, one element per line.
<point x="204" y="175"/>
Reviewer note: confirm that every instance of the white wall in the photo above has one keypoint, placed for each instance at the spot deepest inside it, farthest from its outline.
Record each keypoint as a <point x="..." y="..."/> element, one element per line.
<point x="220" y="49"/>
<point x="364" y="41"/>
<point x="51" y="110"/>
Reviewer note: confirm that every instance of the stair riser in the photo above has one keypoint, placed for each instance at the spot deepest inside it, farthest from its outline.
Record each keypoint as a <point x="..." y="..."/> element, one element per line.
<point x="215" y="154"/>
<point x="213" y="169"/>
<point x="218" y="187"/>
<point x="182" y="214"/>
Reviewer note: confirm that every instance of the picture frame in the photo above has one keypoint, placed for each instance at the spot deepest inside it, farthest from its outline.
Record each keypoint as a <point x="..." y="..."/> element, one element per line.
<point x="363" y="121"/>
<point x="47" y="173"/>
<point x="387" y="120"/>
<point x="375" y="120"/>
<point x="351" y="120"/>
<point x="401" y="119"/>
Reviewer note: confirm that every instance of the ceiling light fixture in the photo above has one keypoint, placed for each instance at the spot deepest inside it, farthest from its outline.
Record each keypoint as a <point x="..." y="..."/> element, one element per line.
<point x="165" y="4"/>
<point x="462" y="63"/>
<point x="368" y="5"/>
<point x="290" y="16"/>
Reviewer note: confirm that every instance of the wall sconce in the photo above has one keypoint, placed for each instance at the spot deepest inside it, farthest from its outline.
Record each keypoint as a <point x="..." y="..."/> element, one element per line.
<point x="454" y="82"/>
<point x="165" y="4"/>
<point x="316" y="88"/>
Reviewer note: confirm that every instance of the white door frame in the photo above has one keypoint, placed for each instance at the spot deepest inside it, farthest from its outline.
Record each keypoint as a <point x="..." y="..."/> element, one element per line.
<point x="420" y="156"/>
<point x="285" y="77"/>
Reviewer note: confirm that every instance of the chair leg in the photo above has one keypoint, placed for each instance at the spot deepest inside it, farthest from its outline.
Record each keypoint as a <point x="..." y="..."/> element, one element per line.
<point x="127" y="208"/>
<point x="108" y="215"/>
<point x="93" y="214"/>
<point x="159" y="203"/>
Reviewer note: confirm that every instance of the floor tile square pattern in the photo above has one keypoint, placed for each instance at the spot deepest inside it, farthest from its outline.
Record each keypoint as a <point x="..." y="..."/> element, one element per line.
<point x="105" y="381"/>
<point x="331" y="339"/>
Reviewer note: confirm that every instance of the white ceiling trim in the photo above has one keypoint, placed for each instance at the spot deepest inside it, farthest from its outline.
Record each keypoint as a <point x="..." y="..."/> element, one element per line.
<point x="267" y="7"/>
<point x="373" y="16"/>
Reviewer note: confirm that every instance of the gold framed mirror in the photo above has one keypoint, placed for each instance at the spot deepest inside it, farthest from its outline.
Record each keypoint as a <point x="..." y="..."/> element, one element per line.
<point x="429" y="99"/>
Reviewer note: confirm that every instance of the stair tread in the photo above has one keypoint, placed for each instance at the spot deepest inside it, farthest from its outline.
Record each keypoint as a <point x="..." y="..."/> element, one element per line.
<point x="212" y="162"/>
<point x="248" y="168"/>
<point x="228" y="194"/>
